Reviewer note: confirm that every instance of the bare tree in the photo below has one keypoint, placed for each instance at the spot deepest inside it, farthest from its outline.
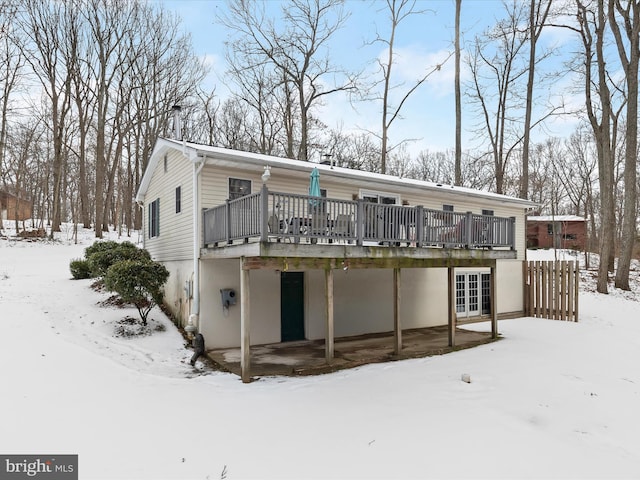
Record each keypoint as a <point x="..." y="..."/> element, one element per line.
<point x="628" y="15"/>
<point x="498" y="69"/>
<point x="538" y="12"/>
<point x="458" y="165"/>
<point x="24" y="140"/>
<point x="592" y="25"/>
<point x="12" y="62"/>
<point x="295" y="47"/>
<point x="578" y="174"/>
<point x="355" y="151"/>
<point x="45" y="24"/>
<point x="398" y="10"/>
<point x="80" y="55"/>
<point x="268" y="99"/>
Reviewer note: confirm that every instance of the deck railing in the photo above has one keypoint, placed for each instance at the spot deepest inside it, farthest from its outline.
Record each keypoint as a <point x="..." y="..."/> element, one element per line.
<point x="276" y="216"/>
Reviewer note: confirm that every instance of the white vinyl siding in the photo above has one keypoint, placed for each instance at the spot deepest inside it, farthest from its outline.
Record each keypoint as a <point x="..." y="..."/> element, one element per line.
<point x="176" y="231"/>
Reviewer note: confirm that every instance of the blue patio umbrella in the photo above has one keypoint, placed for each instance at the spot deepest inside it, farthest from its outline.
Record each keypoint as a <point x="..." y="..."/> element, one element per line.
<point x="314" y="187"/>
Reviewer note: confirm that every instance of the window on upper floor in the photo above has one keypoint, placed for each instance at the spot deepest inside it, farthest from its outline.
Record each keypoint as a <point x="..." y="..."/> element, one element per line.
<point x="238" y="188"/>
<point x="446" y="217"/>
<point x="154" y="218"/>
<point x="178" y="199"/>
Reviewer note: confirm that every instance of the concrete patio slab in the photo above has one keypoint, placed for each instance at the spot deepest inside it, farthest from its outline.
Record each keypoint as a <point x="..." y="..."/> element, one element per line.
<point x="308" y="357"/>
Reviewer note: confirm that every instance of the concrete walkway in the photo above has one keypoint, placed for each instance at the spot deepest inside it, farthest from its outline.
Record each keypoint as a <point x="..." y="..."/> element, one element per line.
<point x="308" y="357"/>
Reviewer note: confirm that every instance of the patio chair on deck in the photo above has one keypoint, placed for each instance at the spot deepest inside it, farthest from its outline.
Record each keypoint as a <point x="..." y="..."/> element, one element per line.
<point x="319" y="226"/>
<point x="343" y="226"/>
<point x="276" y="226"/>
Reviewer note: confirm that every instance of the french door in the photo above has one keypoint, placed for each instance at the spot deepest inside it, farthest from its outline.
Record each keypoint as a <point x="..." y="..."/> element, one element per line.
<point x="473" y="294"/>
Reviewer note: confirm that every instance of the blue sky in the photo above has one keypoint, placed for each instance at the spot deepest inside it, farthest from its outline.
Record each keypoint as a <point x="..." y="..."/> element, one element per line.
<point x="422" y="42"/>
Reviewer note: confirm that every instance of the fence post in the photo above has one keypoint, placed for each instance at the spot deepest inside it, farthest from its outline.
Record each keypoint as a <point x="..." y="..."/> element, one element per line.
<point x="264" y="213"/>
<point x="512" y="232"/>
<point x="468" y="223"/>
<point x="419" y="225"/>
<point x="360" y="223"/>
<point x="576" y="287"/>
<point x="227" y="214"/>
<point x="205" y="235"/>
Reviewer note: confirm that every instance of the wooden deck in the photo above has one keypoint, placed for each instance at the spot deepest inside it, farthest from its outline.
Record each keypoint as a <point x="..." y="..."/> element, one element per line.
<point x="277" y="217"/>
<point x="308" y="357"/>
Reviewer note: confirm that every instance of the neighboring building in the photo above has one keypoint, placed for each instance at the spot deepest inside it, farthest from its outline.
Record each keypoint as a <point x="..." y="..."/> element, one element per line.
<point x="558" y="231"/>
<point x="370" y="253"/>
<point x="13" y="207"/>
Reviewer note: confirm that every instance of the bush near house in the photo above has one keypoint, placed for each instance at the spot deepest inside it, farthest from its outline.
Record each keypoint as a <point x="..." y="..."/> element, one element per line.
<point x="138" y="282"/>
<point x="80" y="269"/>
<point x="101" y="255"/>
<point x="126" y="270"/>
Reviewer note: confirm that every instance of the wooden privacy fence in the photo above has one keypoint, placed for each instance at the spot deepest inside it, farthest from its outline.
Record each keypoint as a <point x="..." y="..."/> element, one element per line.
<point x="552" y="289"/>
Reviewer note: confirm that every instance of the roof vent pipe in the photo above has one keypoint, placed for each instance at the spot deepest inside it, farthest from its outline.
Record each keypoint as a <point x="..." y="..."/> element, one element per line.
<point x="177" y="125"/>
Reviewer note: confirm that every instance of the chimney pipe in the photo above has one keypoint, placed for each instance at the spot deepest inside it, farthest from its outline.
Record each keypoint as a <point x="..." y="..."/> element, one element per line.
<point x="177" y="126"/>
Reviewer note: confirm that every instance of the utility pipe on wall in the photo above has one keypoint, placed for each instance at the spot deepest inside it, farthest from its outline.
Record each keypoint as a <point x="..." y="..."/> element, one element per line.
<point x="194" y="317"/>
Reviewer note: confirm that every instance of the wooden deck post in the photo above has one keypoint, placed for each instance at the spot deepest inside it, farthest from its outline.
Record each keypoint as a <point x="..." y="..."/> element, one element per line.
<point x="245" y="324"/>
<point x="452" y="305"/>
<point x="493" y="302"/>
<point x="576" y="288"/>
<point x="397" y="326"/>
<point x="329" y="334"/>
<point x="264" y="213"/>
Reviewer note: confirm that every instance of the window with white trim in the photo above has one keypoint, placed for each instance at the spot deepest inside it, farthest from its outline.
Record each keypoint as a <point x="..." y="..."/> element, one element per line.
<point x="238" y="188"/>
<point x="154" y="218"/>
<point x="178" y="199"/>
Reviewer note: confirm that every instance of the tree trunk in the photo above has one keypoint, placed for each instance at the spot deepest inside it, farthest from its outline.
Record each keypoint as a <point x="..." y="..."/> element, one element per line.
<point x="458" y="160"/>
<point x="630" y="65"/>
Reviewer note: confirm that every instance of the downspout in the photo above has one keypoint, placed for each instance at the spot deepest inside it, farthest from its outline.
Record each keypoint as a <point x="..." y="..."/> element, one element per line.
<point x="194" y="317"/>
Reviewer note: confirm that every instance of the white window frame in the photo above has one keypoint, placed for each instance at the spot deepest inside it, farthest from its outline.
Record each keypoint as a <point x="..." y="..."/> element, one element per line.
<point x="472" y="293"/>
<point x="241" y="179"/>
<point x="379" y="195"/>
<point x="154" y="218"/>
<point x="229" y="179"/>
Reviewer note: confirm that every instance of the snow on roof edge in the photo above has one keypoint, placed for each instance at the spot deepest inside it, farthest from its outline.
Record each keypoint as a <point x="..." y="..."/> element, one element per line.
<point x="556" y="218"/>
<point x="209" y="151"/>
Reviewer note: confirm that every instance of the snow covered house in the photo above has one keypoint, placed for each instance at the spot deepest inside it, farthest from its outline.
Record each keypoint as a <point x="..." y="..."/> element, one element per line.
<point x="263" y="249"/>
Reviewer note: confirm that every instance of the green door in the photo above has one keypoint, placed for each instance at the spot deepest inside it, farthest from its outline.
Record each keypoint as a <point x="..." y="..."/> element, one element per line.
<point x="291" y="306"/>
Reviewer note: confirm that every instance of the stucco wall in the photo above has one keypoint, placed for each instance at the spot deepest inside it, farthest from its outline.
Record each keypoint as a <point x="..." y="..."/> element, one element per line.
<point x="509" y="287"/>
<point x="363" y="301"/>
<point x="221" y="326"/>
<point x="175" y="297"/>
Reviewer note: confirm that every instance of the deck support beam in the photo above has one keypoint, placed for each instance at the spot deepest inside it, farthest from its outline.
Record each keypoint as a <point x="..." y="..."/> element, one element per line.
<point x="451" y="296"/>
<point x="329" y="334"/>
<point x="494" y="305"/>
<point x="245" y="324"/>
<point x="397" y="326"/>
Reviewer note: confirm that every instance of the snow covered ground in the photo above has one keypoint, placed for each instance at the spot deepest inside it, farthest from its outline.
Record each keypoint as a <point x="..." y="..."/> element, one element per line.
<point x="550" y="400"/>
